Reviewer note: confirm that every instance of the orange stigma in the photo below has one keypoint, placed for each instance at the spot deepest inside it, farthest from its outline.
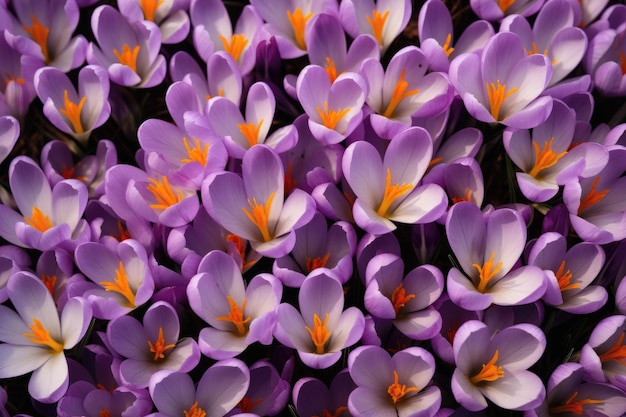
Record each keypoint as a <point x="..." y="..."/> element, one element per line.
<point x="397" y="391"/>
<point x="121" y="286"/>
<point x="38" y="220"/>
<point x="49" y="281"/>
<point x="246" y="405"/>
<point x="236" y="316"/>
<point x="377" y="23"/>
<point x="235" y="45"/>
<point x="486" y="272"/>
<point x="564" y="277"/>
<point x="198" y="153"/>
<point x="259" y="216"/>
<point x="446" y="46"/>
<point x="505" y="4"/>
<point x="330" y="118"/>
<point x="592" y="196"/>
<point x="617" y="352"/>
<point x="163" y="193"/>
<point x="159" y="347"/>
<point x="489" y="372"/>
<point x="149" y="8"/>
<point x="497" y="94"/>
<point x="73" y="111"/>
<point x="391" y="194"/>
<point x="544" y="158"/>
<point x="574" y="407"/>
<point x="41" y="336"/>
<point x="313" y="264"/>
<point x="298" y="22"/>
<point x="250" y="132"/>
<point x="39" y="33"/>
<point x="331" y="69"/>
<point x="338" y="411"/>
<point x="128" y="57"/>
<point x="194" y="411"/>
<point x="399" y="94"/>
<point x="399" y="298"/>
<point x="319" y="334"/>
<point x="466" y="197"/>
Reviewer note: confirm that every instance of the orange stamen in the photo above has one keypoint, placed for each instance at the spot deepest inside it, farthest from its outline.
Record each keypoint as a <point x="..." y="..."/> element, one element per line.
<point x="195" y="411"/>
<point x="39" y="33"/>
<point x="198" y="153"/>
<point x="396" y="391"/>
<point x="617" y="352"/>
<point x="330" y="118"/>
<point x="105" y="413"/>
<point x="399" y="94"/>
<point x="544" y="158"/>
<point x="574" y="407"/>
<point x="391" y="194"/>
<point x="298" y="22"/>
<point x="121" y="286"/>
<point x="497" y="94"/>
<point x="466" y="197"/>
<point x="446" y="46"/>
<point x="489" y="372"/>
<point x="220" y="93"/>
<point x="505" y="4"/>
<point x="124" y="233"/>
<point x="235" y="45"/>
<point x="313" y="264"/>
<point x="149" y="8"/>
<point x="38" y="220"/>
<point x="250" y="132"/>
<point x="246" y="405"/>
<point x="240" y="247"/>
<point x="49" y="281"/>
<point x="163" y="193"/>
<point x="434" y="162"/>
<point x="159" y="346"/>
<point x="236" y="316"/>
<point x="259" y="216"/>
<point x="41" y="336"/>
<point x="592" y="196"/>
<point x="377" y="23"/>
<point x="338" y="411"/>
<point x="73" y="111"/>
<point x="319" y="334"/>
<point x="486" y="272"/>
<point x="10" y="78"/>
<point x="399" y="298"/>
<point x="290" y="182"/>
<point x="128" y="57"/>
<point x="563" y="278"/>
<point x="331" y="69"/>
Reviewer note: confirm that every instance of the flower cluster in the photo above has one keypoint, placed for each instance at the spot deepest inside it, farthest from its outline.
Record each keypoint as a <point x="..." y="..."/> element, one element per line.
<point x="312" y="208"/>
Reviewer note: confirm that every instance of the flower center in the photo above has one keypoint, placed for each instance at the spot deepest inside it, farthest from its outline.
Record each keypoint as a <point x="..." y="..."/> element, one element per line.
<point x="486" y="272"/>
<point x="489" y="372"/>
<point x="123" y="232"/>
<point x="622" y="57"/>
<point x="617" y="352"/>
<point x="399" y="298"/>
<point x="235" y="45"/>
<point x="319" y="334"/>
<point x="149" y="8"/>
<point x="128" y="57"/>
<point x="246" y="405"/>
<point x="563" y="277"/>
<point x="236" y="316"/>
<point x="121" y="286"/>
<point x="396" y="390"/>
<point x="446" y="46"/>
<point x="198" y="153"/>
<point x="544" y="158"/>
<point x="41" y="336"/>
<point x="104" y="413"/>
<point x="298" y="22"/>
<point x="399" y="94"/>
<point x="290" y="182"/>
<point x="392" y="192"/>
<point x="195" y="411"/>
<point x="10" y="79"/>
<point x="377" y="23"/>
<point x="38" y="220"/>
<point x="240" y="247"/>
<point x="250" y="132"/>
<point x="163" y="193"/>
<point x="39" y="33"/>
<point x="49" y="281"/>
<point x="331" y="69"/>
<point x="72" y="111"/>
<point x="574" y="407"/>
<point x="466" y="197"/>
<point x="159" y="347"/>
<point x="259" y="216"/>
<point x="330" y="118"/>
<point x="220" y="93"/>
<point x="497" y="94"/>
<point x="505" y="4"/>
<point x="313" y="264"/>
<point x="592" y="196"/>
<point x="338" y="411"/>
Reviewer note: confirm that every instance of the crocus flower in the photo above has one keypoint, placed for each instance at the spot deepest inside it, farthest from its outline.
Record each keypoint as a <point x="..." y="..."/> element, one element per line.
<point x="169" y="15"/>
<point x="603" y="355"/>
<point x="398" y="385"/>
<point x="221" y="387"/>
<point x="318" y="246"/>
<point x="122" y="280"/>
<point x="239" y="315"/>
<point x="151" y="346"/>
<point x="452" y="317"/>
<point x="569" y="273"/>
<point x="35" y="336"/>
<point x="312" y="397"/>
<point x="76" y="112"/>
<point x="334" y="109"/>
<point x="494" y="10"/>
<point x="595" y="204"/>
<point x="487" y="247"/>
<point x="267" y="393"/>
<point x="85" y="399"/>
<point x="50" y="216"/>
<point x="213" y="32"/>
<point x="9" y="132"/>
<point x="382" y="19"/>
<point x="496" y="367"/>
<point x="502" y="83"/>
<point x="463" y="181"/>
<point x="129" y="51"/>
<point x="387" y="188"/>
<point x="16" y="88"/>
<point x="321" y="329"/>
<point x="254" y="207"/>
<point x="12" y="260"/>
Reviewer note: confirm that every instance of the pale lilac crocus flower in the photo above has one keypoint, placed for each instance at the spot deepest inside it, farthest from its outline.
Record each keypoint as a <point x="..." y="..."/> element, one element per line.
<point x="242" y="131"/>
<point x="36" y="335"/>
<point x="502" y="84"/>
<point x="312" y="397"/>
<point x="16" y="87"/>
<point x="387" y="187"/>
<point x="321" y="329"/>
<point x="222" y="386"/>
<point x="75" y="112"/>
<point x="569" y="273"/>
<point x="398" y="385"/>
<point x="495" y="367"/>
<point x="9" y="133"/>
<point x="487" y="247"/>
<point x="239" y="315"/>
<point x="382" y="19"/>
<point x="12" y="260"/>
<point x="254" y="207"/>
<point x="463" y="181"/>
<point x="213" y="31"/>
<point x="604" y="353"/>
<point x="169" y="15"/>
<point x="495" y="10"/>
<point x="128" y="50"/>
<point x="586" y="11"/>
<point x="152" y="346"/>
<point x="335" y="109"/>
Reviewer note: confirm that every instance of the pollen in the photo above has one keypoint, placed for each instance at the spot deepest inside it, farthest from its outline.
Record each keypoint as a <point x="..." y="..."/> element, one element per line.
<point x="128" y="57"/>
<point x="259" y="215"/>
<point x="399" y="298"/>
<point x="159" y="347"/>
<point x="575" y="407"/>
<point x="318" y="262"/>
<point x="617" y="352"/>
<point x="497" y="95"/>
<point x="41" y="336"/>
<point x="163" y="193"/>
<point x="194" y="411"/>
<point x="319" y="333"/>
<point x="399" y="93"/>
<point x="391" y="194"/>
<point x="397" y="391"/>
<point x="486" y="272"/>
<point x="377" y="23"/>
<point x="235" y="45"/>
<point x="446" y="46"/>
<point x="330" y="118"/>
<point x="73" y="111"/>
<point x="489" y="372"/>
<point x="236" y="316"/>
<point x="298" y="22"/>
<point x="250" y="131"/>
<point x="544" y="158"/>
<point x="198" y="153"/>
<point x="593" y="197"/>
<point x="38" y="220"/>
<point x="39" y="33"/>
<point x="149" y="8"/>
<point x="121" y="286"/>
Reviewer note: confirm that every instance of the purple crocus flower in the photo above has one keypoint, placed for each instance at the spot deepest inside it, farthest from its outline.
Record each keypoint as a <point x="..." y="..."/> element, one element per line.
<point x="382" y="19"/>
<point x="568" y="393"/>
<point x="76" y="112"/>
<point x="463" y="181"/>
<point x="85" y="399"/>
<point x="321" y="329"/>
<point x="128" y="50"/>
<point x="9" y="132"/>
<point x="312" y="397"/>
<point x="387" y="187"/>
<point x="452" y="317"/>
<point x="35" y="336"/>
<point x="55" y="268"/>
<point x="398" y="385"/>
<point x="16" y="87"/>
<point x="254" y="207"/>
<point x="318" y="246"/>
<point x="502" y="84"/>
<point x="494" y="10"/>
<point x="12" y="260"/>
<point x="50" y="216"/>
<point x="487" y="247"/>
<point x="403" y="90"/>
<point x="239" y="315"/>
<point x="151" y="346"/>
<point x="267" y="394"/>
<point x="585" y="11"/>
<point x="495" y="367"/>
<point x="220" y="389"/>
<point x="603" y="355"/>
<point x="169" y="15"/>
<point x="406" y="300"/>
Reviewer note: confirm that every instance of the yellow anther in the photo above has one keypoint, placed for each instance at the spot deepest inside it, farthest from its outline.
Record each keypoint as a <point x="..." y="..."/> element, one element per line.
<point x="41" y="336"/>
<point x="159" y="346"/>
<point x="397" y="391"/>
<point x="486" y="272"/>
<point x="235" y="45"/>
<point x="298" y="22"/>
<point x="128" y="57"/>
<point x="497" y="94"/>
<point x="236" y="316"/>
<point x="330" y="118"/>
<point x="319" y="333"/>
<point x="73" y="111"/>
<point x="377" y="23"/>
<point x="489" y="372"/>
<point x="391" y="194"/>
<point x="399" y="93"/>
<point x="121" y="286"/>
